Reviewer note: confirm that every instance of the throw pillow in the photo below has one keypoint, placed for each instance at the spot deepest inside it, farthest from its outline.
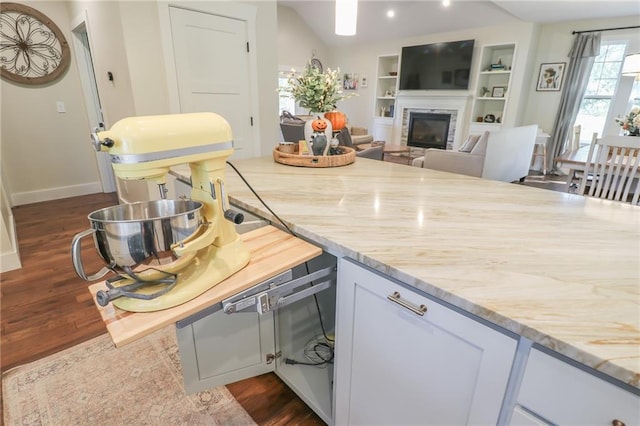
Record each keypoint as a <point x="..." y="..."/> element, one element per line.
<point x="344" y="138"/>
<point x="469" y="143"/>
<point x="481" y="146"/>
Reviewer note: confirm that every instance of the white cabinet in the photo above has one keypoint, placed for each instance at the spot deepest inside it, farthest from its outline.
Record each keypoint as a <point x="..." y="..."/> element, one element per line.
<point x="556" y="392"/>
<point x="383" y="129"/>
<point x="217" y="347"/>
<point x="396" y="365"/>
<point x="492" y="85"/>
<point x="386" y="85"/>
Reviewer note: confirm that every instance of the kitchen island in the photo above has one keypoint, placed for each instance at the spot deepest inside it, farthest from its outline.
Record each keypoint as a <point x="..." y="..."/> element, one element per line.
<point x="558" y="270"/>
<point x="556" y="274"/>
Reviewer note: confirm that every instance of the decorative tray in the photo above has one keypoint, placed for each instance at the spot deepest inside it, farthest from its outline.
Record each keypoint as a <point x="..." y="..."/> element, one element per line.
<point x="348" y="157"/>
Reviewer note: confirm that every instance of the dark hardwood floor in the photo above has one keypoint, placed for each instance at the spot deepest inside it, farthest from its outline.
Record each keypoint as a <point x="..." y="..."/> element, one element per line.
<point x="45" y="307"/>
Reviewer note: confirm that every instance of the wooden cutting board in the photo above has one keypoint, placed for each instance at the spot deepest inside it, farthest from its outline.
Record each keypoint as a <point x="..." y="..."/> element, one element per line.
<point x="272" y="251"/>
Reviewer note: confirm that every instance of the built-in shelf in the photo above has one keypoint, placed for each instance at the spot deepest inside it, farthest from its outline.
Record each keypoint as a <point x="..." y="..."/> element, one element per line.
<point x="386" y="86"/>
<point x="488" y="79"/>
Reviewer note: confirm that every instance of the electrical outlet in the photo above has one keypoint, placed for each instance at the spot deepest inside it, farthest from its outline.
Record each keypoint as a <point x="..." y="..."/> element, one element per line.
<point x="60" y="107"/>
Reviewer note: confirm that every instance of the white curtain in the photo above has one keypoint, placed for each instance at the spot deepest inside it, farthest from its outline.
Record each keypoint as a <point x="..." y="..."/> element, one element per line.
<point x="586" y="47"/>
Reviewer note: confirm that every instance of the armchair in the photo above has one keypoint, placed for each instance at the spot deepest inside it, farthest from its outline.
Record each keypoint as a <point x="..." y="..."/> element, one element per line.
<point x="360" y="135"/>
<point x="503" y="155"/>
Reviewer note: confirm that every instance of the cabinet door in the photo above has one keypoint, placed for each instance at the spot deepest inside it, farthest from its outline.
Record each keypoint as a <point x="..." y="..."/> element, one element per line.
<point x="383" y="130"/>
<point x="396" y="367"/>
<point x="220" y="349"/>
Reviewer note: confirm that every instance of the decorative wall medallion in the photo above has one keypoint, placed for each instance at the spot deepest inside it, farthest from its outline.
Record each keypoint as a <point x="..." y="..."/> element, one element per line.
<point x="33" y="50"/>
<point x="315" y="63"/>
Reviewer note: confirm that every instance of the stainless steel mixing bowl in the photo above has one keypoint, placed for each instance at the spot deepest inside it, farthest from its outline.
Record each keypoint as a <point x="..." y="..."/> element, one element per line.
<point x="129" y="235"/>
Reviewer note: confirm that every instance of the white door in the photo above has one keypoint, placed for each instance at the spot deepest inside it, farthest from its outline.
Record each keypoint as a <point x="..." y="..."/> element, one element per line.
<point x="212" y="67"/>
<point x="92" y="101"/>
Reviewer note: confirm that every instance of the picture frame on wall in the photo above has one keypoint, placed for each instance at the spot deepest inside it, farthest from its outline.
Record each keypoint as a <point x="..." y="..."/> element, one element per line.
<point x="550" y="77"/>
<point x="350" y="81"/>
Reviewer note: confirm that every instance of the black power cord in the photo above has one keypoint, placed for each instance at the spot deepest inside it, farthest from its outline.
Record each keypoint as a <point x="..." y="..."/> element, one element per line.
<point x="306" y="264"/>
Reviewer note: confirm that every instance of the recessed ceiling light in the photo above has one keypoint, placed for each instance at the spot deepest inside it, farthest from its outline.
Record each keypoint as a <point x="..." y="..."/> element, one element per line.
<point x="391" y="13"/>
<point x="446" y="3"/>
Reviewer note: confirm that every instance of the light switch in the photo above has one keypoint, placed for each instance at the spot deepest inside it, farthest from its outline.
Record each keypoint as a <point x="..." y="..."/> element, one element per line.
<point x="60" y="107"/>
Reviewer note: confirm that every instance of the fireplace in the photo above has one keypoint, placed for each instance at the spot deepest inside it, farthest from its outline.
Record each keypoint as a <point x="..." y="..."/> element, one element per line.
<point x="428" y="130"/>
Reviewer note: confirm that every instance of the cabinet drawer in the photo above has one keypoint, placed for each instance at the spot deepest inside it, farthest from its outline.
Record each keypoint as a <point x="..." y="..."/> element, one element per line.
<point x="566" y="395"/>
<point x="522" y="418"/>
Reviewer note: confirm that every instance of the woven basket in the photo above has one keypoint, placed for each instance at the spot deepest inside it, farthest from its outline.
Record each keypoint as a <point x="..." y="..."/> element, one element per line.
<point x="348" y="157"/>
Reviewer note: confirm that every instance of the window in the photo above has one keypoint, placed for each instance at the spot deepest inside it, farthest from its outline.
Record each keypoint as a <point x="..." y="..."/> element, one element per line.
<point x="285" y="103"/>
<point x="596" y="103"/>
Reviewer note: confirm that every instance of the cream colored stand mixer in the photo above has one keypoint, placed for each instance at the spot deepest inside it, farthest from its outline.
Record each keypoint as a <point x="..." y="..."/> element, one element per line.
<point x="166" y="252"/>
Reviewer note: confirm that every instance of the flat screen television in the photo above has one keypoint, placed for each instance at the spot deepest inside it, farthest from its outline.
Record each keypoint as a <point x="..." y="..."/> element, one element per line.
<point x="438" y="66"/>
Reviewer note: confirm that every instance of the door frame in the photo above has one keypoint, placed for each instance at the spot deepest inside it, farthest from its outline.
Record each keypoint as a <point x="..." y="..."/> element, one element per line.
<point x="242" y="12"/>
<point x="91" y="97"/>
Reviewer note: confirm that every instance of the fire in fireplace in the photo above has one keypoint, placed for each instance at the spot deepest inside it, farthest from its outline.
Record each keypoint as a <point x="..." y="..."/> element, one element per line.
<point x="428" y="130"/>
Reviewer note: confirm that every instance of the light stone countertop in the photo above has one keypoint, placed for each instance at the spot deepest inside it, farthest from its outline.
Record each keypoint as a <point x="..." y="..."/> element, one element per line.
<point x="560" y="269"/>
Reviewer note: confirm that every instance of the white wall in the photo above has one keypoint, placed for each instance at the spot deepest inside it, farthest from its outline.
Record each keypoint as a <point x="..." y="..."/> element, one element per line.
<point x="555" y="41"/>
<point x="362" y="59"/>
<point x="109" y="54"/>
<point x="297" y="42"/>
<point x="46" y="154"/>
<point x="141" y="30"/>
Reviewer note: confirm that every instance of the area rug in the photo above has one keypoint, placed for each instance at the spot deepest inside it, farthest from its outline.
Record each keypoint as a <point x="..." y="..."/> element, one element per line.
<point x="95" y="383"/>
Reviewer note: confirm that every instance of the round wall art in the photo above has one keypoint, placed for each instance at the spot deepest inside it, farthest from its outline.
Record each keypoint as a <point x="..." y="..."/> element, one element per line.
<point x="34" y="50"/>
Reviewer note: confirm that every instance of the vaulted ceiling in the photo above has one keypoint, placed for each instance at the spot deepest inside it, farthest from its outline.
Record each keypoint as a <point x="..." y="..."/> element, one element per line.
<point x="413" y="18"/>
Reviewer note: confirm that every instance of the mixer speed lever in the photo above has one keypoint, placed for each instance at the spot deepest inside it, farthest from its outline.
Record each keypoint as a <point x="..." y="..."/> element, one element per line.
<point x="99" y="143"/>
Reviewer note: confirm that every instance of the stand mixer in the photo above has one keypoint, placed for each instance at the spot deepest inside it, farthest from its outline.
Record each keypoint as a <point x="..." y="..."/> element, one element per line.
<point x="205" y="254"/>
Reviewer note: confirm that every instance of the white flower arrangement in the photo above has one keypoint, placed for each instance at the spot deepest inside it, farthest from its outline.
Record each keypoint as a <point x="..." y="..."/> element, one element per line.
<point x="315" y="90"/>
<point x="631" y="122"/>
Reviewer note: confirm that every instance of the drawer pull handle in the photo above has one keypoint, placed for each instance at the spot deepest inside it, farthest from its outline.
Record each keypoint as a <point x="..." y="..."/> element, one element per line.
<point x="617" y="422"/>
<point x="420" y="310"/>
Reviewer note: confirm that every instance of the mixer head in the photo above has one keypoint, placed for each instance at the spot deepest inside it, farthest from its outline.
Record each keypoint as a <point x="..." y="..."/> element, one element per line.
<point x="145" y="147"/>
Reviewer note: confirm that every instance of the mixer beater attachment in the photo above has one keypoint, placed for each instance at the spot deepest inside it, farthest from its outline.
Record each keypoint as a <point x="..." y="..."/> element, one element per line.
<point x="129" y="290"/>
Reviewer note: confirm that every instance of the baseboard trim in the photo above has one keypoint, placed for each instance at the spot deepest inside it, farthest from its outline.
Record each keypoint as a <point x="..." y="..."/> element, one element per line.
<point x="10" y="261"/>
<point x="30" y="197"/>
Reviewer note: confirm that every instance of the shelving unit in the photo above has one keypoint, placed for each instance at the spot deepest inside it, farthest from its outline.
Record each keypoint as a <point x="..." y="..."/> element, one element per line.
<point x="386" y="85"/>
<point x="492" y="89"/>
<point x="385" y="102"/>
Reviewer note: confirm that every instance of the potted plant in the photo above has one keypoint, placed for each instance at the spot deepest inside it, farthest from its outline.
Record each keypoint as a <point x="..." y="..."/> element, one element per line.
<point x="317" y="91"/>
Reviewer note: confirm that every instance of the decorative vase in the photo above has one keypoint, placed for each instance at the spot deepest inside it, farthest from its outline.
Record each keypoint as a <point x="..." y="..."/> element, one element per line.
<point x="319" y="144"/>
<point x="308" y="129"/>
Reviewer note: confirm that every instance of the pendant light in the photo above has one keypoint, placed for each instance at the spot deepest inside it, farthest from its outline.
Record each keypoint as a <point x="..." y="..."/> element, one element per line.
<point x="346" y="17"/>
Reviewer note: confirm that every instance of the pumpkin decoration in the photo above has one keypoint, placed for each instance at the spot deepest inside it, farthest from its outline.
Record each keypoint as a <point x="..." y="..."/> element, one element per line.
<point x="338" y="120"/>
<point x="319" y="125"/>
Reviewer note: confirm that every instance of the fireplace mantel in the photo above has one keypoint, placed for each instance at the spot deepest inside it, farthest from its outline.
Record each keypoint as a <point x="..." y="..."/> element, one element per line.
<point x="458" y="104"/>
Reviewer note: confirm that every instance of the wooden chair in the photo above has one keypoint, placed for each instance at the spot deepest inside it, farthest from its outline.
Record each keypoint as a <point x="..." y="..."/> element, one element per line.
<point x="612" y="169"/>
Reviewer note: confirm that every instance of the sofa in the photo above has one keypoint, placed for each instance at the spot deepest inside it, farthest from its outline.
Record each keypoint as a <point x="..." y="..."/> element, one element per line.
<point x="503" y="155"/>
